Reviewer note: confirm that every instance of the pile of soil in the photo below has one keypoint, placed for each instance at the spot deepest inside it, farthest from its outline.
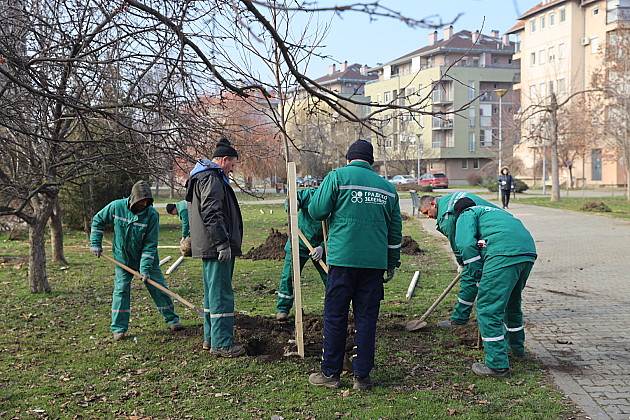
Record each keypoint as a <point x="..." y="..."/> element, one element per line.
<point x="410" y="246"/>
<point x="272" y="249"/>
<point x="600" y="207"/>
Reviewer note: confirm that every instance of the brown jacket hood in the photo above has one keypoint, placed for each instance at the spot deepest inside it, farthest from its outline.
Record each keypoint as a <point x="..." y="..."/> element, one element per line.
<point x="140" y="191"/>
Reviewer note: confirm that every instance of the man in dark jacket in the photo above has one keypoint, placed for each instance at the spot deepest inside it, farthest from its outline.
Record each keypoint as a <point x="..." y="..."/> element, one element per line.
<point x="506" y="185"/>
<point x="364" y="239"/>
<point x="216" y="228"/>
<point x="136" y="230"/>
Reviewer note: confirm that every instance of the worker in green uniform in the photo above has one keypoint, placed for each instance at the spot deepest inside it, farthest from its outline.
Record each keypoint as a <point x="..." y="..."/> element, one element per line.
<point x="136" y="230"/>
<point x="442" y="208"/>
<point x="499" y="251"/>
<point x="313" y="232"/>
<point x="180" y="209"/>
<point x="216" y="227"/>
<point x="364" y="241"/>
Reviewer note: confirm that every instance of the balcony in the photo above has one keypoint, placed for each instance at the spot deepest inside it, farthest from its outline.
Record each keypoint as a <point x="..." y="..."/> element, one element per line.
<point x="442" y="97"/>
<point x="442" y="124"/>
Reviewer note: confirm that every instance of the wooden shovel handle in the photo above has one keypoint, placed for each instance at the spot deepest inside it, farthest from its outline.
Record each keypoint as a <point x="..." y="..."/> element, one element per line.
<point x="159" y="286"/>
<point x="310" y="248"/>
<point x="440" y="298"/>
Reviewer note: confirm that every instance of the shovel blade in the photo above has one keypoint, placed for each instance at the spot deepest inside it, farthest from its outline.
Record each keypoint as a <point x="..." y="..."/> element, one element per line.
<point x="415" y="324"/>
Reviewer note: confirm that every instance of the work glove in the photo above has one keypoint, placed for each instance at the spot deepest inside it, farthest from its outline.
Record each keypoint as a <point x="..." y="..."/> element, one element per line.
<point x="460" y="268"/>
<point x="182" y="240"/>
<point x="146" y="278"/>
<point x="96" y="250"/>
<point x="390" y="274"/>
<point x="317" y="253"/>
<point x="225" y="255"/>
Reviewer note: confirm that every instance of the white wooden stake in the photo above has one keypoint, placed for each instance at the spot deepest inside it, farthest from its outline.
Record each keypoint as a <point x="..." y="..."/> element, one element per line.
<point x="295" y="256"/>
<point x="165" y="260"/>
<point x="175" y="264"/>
<point x="412" y="285"/>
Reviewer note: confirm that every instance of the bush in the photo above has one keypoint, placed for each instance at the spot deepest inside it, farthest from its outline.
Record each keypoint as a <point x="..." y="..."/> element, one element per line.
<point x="413" y="187"/>
<point x="475" y="178"/>
<point x="596" y="207"/>
<point x="493" y="186"/>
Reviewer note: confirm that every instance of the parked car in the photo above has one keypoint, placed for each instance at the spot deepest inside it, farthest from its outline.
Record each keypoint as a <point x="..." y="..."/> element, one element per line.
<point x="402" y="179"/>
<point x="435" y="180"/>
<point x="299" y="181"/>
<point x="310" y="181"/>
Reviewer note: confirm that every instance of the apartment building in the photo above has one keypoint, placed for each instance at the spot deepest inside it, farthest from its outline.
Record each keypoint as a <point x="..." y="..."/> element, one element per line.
<point x="561" y="45"/>
<point x="457" y="81"/>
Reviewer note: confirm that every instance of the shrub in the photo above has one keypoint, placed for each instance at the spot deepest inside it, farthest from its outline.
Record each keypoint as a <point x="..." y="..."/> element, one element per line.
<point x="413" y="187"/>
<point x="520" y="186"/>
<point x="475" y="178"/>
<point x="493" y="186"/>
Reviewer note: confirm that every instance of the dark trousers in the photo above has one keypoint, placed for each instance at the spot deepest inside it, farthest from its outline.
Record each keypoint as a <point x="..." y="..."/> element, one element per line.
<point x="364" y="287"/>
<point x="505" y="197"/>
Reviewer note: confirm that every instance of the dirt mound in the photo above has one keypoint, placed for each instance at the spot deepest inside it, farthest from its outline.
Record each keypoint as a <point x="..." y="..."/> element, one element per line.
<point x="596" y="207"/>
<point x="410" y="246"/>
<point x="185" y="248"/>
<point x="272" y="249"/>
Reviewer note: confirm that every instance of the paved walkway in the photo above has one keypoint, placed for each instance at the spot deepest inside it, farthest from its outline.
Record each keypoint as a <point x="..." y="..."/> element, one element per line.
<point x="577" y="305"/>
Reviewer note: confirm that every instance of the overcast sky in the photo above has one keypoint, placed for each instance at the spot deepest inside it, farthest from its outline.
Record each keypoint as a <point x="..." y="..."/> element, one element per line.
<point x="355" y="39"/>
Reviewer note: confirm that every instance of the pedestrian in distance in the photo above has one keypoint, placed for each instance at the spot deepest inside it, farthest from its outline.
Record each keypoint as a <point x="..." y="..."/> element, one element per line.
<point x="313" y="232"/>
<point x="181" y="209"/>
<point x="364" y="239"/>
<point x="136" y="231"/>
<point x="216" y="227"/>
<point x="499" y="251"/>
<point x="506" y="186"/>
<point x="442" y="209"/>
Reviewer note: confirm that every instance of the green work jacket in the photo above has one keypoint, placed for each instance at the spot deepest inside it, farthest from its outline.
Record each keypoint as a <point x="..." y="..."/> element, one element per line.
<point x="504" y="235"/>
<point x="182" y="212"/>
<point x="363" y="214"/>
<point x="135" y="235"/>
<point x="446" y="219"/>
<point x="311" y="228"/>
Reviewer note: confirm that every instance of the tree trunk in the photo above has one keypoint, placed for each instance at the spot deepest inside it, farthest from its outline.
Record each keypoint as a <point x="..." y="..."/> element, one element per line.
<point x="56" y="234"/>
<point x="42" y="208"/>
<point x="553" y="132"/>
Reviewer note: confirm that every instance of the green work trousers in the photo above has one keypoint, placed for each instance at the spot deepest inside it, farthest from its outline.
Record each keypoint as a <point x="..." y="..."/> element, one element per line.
<point x="121" y="301"/>
<point x="218" y="302"/>
<point x="468" y="288"/>
<point x="499" y="313"/>
<point x="285" y="289"/>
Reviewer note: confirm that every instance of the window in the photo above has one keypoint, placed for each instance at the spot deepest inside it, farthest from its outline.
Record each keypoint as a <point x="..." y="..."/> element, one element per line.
<point x="552" y="54"/>
<point x="475" y="163"/>
<point x="563" y="14"/>
<point x="464" y="163"/>
<point x="541" y="57"/>
<point x="552" y="19"/>
<point x="532" y="59"/>
<point x="471" y="117"/>
<point x="561" y="51"/>
<point x="517" y="43"/>
<point x="532" y="25"/>
<point x="595" y="11"/>
<point x="378" y="98"/>
<point x="388" y="97"/>
<point x="543" y="90"/>
<point x="594" y="45"/>
<point x="471" y="142"/>
<point x="543" y="22"/>
<point x="435" y="141"/>
<point x="562" y="86"/>
<point x="471" y="90"/>
<point x="532" y="92"/>
<point x="485" y="138"/>
<point x="450" y="140"/>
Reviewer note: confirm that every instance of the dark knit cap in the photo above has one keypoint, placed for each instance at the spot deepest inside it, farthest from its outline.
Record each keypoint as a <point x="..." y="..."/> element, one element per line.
<point x="224" y="148"/>
<point x="361" y="149"/>
<point x="170" y="207"/>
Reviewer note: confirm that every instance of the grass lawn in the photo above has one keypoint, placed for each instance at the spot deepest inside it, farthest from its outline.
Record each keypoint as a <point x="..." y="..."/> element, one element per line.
<point x="59" y="361"/>
<point x="619" y="206"/>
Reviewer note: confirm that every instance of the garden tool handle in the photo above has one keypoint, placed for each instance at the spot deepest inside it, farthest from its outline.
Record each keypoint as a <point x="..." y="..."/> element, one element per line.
<point x="439" y="299"/>
<point x="153" y="283"/>
<point x="310" y="248"/>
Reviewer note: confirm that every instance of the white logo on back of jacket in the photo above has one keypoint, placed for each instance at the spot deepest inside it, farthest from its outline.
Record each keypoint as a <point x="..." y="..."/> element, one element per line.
<point x="368" y="197"/>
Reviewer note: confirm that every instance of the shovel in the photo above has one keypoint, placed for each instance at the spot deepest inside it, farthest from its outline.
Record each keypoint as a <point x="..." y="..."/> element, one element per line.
<point x="416" y="324"/>
<point x="310" y="248"/>
<point x="159" y="286"/>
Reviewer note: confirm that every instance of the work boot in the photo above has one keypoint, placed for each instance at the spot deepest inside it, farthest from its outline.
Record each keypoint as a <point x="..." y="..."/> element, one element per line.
<point x="319" y="379"/>
<point x="448" y="324"/>
<point x="206" y="345"/>
<point x="483" y="370"/>
<point x="282" y="316"/>
<point x="176" y="326"/>
<point x="119" y="336"/>
<point x="227" y="351"/>
<point x="363" y="384"/>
